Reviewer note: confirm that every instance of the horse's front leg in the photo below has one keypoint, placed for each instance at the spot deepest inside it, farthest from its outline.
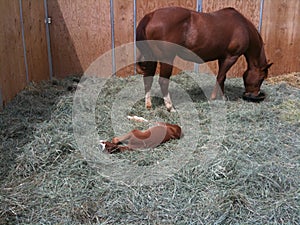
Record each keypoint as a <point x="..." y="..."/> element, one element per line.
<point x="148" y="80"/>
<point x="123" y="138"/>
<point x="224" y="66"/>
<point x="148" y="69"/>
<point x="165" y="73"/>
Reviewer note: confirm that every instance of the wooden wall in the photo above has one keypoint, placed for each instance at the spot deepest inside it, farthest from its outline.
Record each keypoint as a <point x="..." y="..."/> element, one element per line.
<point x="81" y="32"/>
<point x="12" y="68"/>
<point x="281" y="34"/>
<point x="35" y="40"/>
<point x="123" y="18"/>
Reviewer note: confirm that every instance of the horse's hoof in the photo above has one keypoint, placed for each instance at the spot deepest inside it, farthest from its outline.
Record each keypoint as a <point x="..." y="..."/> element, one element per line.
<point x="249" y="97"/>
<point x="212" y="98"/>
<point x="225" y="98"/>
<point x="171" y="110"/>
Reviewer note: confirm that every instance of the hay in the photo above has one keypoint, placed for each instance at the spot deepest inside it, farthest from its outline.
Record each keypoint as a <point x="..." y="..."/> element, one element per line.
<point x="253" y="180"/>
<point x="292" y="79"/>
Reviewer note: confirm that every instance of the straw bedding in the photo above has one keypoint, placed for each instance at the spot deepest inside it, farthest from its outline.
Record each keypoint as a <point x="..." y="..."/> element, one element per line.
<point x="253" y="178"/>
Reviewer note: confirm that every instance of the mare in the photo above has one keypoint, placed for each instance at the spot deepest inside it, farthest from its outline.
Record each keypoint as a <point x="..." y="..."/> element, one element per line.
<point x="223" y="35"/>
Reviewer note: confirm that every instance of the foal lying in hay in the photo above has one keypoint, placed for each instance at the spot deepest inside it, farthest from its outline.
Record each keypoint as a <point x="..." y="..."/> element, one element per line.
<point x="137" y="139"/>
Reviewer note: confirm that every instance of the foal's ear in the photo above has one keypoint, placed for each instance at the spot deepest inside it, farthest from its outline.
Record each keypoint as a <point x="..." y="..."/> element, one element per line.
<point x="265" y="68"/>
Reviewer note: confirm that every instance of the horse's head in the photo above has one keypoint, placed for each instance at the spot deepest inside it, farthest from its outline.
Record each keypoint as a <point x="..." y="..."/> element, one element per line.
<point x="253" y="79"/>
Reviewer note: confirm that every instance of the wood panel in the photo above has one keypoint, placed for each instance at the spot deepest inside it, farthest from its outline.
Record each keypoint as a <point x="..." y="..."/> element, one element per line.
<point x="145" y="6"/>
<point x="35" y="38"/>
<point x="281" y="33"/>
<point x="123" y="20"/>
<point x="80" y="33"/>
<point x="12" y="68"/>
<point x="250" y="9"/>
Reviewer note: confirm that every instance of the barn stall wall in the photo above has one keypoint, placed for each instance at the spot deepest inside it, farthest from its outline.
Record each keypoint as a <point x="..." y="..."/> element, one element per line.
<point x="281" y="34"/>
<point x="81" y="31"/>
<point x="12" y="68"/>
<point x="23" y="49"/>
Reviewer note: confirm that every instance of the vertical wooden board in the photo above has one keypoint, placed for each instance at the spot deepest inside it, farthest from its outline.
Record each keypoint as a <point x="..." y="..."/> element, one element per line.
<point x="145" y="6"/>
<point x="80" y="33"/>
<point x="35" y="39"/>
<point x="281" y="33"/>
<point x="123" y="27"/>
<point x="12" y="69"/>
<point x="250" y="9"/>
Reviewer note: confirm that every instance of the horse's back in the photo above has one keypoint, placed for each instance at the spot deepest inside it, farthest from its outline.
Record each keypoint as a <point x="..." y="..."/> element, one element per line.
<point x="166" y="22"/>
<point x="180" y="19"/>
<point x="177" y="25"/>
<point x="210" y="35"/>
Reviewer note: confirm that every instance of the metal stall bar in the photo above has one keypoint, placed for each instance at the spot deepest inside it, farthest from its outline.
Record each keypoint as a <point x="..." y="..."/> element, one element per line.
<point x="260" y="15"/>
<point x="23" y="40"/>
<point x="198" y="9"/>
<point x="199" y="5"/>
<point x="112" y="23"/>
<point x="134" y="34"/>
<point x="47" y="22"/>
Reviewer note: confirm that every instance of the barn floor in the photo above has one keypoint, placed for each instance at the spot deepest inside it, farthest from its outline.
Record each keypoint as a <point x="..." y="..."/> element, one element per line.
<point x="252" y="177"/>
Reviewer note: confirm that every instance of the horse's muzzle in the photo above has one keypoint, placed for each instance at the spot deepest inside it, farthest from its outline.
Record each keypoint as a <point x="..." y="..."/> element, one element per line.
<point x="254" y="98"/>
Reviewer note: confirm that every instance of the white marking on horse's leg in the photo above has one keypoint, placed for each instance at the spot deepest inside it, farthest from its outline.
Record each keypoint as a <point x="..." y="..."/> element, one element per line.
<point x="215" y="92"/>
<point x="168" y="103"/>
<point x="148" y="103"/>
<point x="148" y="80"/>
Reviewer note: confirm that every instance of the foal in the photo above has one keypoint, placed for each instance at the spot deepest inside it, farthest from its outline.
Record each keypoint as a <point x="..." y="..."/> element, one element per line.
<point x="150" y="138"/>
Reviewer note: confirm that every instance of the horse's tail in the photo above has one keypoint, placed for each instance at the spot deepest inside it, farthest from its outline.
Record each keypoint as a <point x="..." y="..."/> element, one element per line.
<point x="145" y="58"/>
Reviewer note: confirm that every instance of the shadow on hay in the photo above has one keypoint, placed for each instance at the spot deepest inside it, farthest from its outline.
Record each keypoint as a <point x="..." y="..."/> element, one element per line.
<point x="19" y="119"/>
<point x="198" y="95"/>
<point x="233" y="92"/>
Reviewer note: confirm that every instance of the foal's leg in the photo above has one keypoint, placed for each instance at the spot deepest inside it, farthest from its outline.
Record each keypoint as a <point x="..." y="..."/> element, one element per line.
<point x="165" y="73"/>
<point x="224" y="66"/>
<point x="120" y="139"/>
<point x="148" y="80"/>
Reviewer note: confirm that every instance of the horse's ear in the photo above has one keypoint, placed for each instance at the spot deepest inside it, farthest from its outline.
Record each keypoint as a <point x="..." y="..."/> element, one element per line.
<point x="265" y="68"/>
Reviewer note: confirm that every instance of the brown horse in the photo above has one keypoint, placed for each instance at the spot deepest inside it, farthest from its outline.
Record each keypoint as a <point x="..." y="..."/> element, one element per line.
<point x="137" y="139"/>
<point x="223" y="35"/>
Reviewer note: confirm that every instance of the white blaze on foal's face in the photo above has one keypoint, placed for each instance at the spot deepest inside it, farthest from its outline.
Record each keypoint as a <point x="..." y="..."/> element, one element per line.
<point x="102" y="145"/>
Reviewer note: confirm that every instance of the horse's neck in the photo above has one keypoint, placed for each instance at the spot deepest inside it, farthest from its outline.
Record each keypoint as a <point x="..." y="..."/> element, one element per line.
<point x="255" y="55"/>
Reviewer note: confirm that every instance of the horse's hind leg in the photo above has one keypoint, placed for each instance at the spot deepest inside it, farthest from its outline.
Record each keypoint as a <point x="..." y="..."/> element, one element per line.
<point x="224" y="66"/>
<point x="165" y="73"/>
<point x="148" y="71"/>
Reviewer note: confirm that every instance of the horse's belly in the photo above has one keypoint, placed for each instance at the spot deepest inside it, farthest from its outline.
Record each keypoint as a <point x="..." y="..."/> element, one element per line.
<point x="199" y="56"/>
<point x="190" y="56"/>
